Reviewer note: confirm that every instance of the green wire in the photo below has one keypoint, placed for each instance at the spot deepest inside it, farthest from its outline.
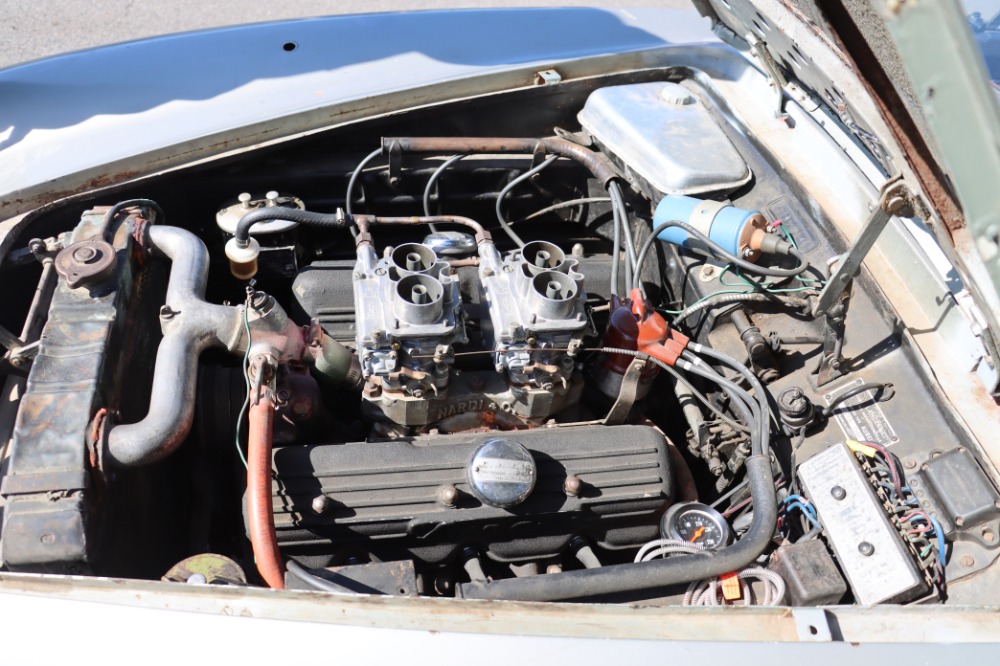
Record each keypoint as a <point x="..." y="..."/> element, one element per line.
<point x="246" y="377"/>
<point x="788" y="235"/>
<point x="754" y="287"/>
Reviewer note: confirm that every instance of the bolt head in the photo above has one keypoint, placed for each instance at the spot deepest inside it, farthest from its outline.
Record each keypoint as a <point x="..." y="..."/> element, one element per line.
<point x="447" y="495"/>
<point x="895" y="204"/>
<point x="967" y="561"/>
<point x="838" y="493"/>
<point x="866" y="549"/>
<point x="572" y="485"/>
<point x="320" y="504"/>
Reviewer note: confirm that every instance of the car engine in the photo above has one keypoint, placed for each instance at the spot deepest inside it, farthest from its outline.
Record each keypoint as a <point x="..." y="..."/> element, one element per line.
<point x="602" y="351"/>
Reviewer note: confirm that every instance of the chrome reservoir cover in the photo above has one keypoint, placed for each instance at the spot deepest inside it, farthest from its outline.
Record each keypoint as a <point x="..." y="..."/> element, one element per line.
<point x="664" y="138"/>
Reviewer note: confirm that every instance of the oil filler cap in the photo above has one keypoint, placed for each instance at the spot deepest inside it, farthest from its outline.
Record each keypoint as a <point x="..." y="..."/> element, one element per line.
<point x="502" y="473"/>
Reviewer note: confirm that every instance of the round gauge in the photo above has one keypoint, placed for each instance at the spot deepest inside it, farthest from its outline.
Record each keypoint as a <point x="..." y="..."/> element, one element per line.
<point x="695" y="523"/>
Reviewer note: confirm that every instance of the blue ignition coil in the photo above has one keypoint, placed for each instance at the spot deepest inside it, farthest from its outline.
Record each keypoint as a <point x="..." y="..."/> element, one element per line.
<point x="740" y="232"/>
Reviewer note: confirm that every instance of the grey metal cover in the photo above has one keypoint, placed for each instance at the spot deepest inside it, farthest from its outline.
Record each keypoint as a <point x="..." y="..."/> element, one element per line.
<point x="666" y="136"/>
<point x="867" y="546"/>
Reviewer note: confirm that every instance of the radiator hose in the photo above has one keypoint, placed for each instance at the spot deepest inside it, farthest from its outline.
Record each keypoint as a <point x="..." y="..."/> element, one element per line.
<point x="260" y="511"/>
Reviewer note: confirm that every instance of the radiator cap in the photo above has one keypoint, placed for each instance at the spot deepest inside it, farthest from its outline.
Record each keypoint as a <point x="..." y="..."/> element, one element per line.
<point x="502" y="473"/>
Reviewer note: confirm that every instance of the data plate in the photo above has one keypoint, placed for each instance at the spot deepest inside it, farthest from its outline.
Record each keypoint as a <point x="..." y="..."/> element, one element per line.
<point x="870" y="551"/>
<point x="860" y="417"/>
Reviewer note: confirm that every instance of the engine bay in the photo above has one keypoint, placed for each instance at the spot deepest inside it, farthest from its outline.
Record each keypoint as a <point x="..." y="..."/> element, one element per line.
<point x="566" y="344"/>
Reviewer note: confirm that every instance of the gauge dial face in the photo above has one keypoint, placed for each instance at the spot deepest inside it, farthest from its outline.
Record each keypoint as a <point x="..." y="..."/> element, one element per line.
<point x="696" y="523"/>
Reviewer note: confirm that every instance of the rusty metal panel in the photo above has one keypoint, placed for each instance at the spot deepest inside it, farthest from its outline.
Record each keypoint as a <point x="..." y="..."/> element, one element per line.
<point x="49" y="467"/>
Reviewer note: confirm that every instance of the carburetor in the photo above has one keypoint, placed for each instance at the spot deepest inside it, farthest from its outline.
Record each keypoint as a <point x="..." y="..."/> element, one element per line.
<point x="408" y="317"/>
<point x="536" y="306"/>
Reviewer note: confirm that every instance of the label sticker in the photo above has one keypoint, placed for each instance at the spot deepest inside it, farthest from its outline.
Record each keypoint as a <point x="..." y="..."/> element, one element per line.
<point x="860" y="417"/>
<point x="498" y="470"/>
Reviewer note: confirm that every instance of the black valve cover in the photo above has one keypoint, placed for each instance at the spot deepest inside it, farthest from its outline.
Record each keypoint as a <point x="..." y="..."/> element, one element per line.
<point x="392" y="498"/>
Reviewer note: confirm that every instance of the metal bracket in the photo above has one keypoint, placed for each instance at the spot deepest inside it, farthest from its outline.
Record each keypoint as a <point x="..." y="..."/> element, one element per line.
<point x="895" y="199"/>
<point x="628" y="393"/>
<point x="547" y="77"/>
<point x="812" y="625"/>
<point x="831" y="359"/>
<point x="775" y="77"/>
<point x="538" y="156"/>
<point x="834" y="299"/>
<point x="395" y="163"/>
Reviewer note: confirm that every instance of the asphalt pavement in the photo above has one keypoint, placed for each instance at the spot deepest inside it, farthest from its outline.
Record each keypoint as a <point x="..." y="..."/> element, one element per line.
<point x="37" y="28"/>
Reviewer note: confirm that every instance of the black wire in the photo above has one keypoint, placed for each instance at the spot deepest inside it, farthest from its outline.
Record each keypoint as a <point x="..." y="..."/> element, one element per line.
<point x="742" y="370"/>
<point x="430" y="185"/>
<point x="616" y="219"/>
<point x="113" y="212"/>
<point x="314" y="581"/>
<point x="741" y="401"/>
<point x="354" y="178"/>
<point x="621" y="219"/>
<point x="722" y="252"/>
<point x="732" y="491"/>
<point x="878" y="387"/>
<point x="758" y="388"/>
<point x="680" y="378"/>
<point x="616" y="251"/>
<point x="510" y="186"/>
<point x="559" y="206"/>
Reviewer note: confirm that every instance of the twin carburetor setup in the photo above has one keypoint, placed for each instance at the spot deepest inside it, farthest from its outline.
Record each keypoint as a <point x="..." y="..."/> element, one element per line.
<point x="410" y="316"/>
